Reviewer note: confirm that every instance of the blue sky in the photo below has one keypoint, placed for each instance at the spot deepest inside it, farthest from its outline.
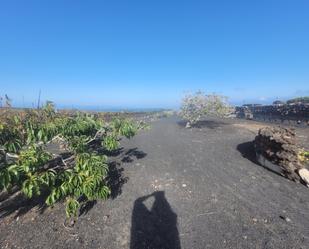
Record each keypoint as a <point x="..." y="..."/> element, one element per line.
<point x="149" y="53"/>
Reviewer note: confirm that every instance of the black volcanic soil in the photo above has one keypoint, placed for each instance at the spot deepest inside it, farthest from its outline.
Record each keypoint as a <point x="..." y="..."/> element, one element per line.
<point x="177" y="188"/>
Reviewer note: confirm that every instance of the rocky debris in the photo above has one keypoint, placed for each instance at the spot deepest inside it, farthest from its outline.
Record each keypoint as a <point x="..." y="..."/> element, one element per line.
<point x="277" y="146"/>
<point x="188" y="125"/>
<point x="58" y="143"/>
<point x="287" y="219"/>
<point x="304" y="175"/>
<point x="255" y="220"/>
<point x="7" y="158"/>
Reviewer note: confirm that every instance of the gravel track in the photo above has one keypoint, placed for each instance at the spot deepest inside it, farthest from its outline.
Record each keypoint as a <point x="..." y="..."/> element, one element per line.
<point x="178" y="188"/>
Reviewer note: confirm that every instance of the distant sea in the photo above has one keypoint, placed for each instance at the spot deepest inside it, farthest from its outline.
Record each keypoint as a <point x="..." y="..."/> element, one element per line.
<point x="103" y="109"/>
<point x="111" y="109"/>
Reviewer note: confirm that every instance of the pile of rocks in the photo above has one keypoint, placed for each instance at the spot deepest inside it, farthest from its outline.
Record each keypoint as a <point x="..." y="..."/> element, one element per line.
<point x="276" y="148"/>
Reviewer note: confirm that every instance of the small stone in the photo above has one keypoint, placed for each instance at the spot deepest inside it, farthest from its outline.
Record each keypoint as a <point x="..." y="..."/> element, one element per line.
<point x="254" y="219"/>
<point x="304" y="175"/>
<point x="287" y="219"/>
<point x="184" y="185"/>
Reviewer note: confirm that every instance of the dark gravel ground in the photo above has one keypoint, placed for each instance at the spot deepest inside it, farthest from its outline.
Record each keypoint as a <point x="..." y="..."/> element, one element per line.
<point x="178" y="188"/>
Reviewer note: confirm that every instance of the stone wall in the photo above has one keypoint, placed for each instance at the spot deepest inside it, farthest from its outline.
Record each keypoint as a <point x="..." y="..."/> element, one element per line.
<point x="277" y="146"/>
<point x="280" y="114"/>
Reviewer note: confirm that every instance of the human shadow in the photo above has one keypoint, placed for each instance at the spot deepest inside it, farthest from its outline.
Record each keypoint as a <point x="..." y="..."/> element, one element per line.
<point x="154" y="227"/>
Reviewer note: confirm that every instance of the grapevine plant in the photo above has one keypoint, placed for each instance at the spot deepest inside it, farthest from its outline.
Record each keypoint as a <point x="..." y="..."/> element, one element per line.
<point x="76" y="180"/>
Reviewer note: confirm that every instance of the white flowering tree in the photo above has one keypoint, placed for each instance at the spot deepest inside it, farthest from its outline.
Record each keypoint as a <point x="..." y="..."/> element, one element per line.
<point x="195" y="106"/>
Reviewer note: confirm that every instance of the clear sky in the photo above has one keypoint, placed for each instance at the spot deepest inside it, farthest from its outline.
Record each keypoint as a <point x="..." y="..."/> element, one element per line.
<point x="148" y="53"/>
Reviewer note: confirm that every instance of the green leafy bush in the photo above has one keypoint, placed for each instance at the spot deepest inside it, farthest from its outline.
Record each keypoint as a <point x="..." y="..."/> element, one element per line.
<point x="78" y="181"/>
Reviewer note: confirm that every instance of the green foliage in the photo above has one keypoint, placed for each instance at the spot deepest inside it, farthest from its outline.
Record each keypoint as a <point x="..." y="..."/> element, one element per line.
<point x="110" y="142"/>
<point x="84" y="180"/>
<point x="25" y="173"/>
<point x="42" y="126"/>
<point x="49" y="109"/>
<point x="303" y="156"/>
<point x="119" y="127"/>
<point x="72" y="206"/>
<point x="124" y="127"/>
<point x="80" y="125"/>
<point x="33" y="158"/>
<point x="78" y="144"/>
<point x="10" y="134"/>
<point x="8" y="176"/>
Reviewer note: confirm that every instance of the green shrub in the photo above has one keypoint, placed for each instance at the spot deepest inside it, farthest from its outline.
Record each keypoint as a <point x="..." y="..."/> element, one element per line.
<point x="81" y="180"/>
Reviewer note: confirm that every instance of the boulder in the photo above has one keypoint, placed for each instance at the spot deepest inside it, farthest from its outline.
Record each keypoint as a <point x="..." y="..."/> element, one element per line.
<point x="277" y="147"/>
<point x="304" y="175"/>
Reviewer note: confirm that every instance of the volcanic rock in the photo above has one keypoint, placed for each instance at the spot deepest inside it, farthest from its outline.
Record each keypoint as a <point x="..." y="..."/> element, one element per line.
<point x="277" y="146"/>
<point x="304" y="175"/>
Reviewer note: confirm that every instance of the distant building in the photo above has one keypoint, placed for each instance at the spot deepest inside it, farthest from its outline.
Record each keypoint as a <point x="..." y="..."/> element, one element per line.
<point x="278" y="103"/>
<point x="251" y="105"/>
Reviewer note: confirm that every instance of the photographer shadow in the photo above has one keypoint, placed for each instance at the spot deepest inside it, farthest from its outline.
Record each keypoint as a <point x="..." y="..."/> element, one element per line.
<point x="154" y="227"/>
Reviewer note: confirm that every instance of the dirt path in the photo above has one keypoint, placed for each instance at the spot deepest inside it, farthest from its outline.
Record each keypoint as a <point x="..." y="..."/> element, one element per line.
<point x="180" y="188"/>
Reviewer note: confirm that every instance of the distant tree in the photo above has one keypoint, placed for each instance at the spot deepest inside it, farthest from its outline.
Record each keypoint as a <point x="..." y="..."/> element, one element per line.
<point x="195" y="106"/>
<point x="303" y="100"/>
<point x="1" y="99"/>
